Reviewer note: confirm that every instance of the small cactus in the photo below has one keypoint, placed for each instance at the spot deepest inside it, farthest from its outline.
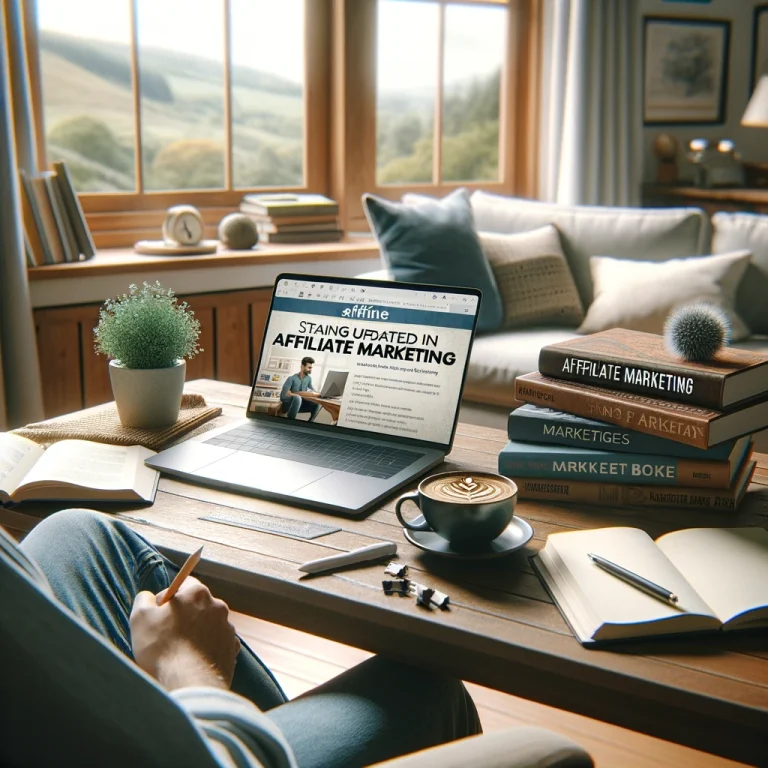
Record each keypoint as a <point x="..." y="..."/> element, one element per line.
<point x="696" y="332"/>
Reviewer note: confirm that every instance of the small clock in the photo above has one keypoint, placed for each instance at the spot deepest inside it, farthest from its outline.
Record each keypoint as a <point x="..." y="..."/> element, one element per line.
<point x="183" y="225"/>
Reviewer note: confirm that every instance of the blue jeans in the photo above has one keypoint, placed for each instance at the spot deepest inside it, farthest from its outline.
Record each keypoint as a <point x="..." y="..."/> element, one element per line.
<point x="377" y="710"/>
<point x="295" y="405"/>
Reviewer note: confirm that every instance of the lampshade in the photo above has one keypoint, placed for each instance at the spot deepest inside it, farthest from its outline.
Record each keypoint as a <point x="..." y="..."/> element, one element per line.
<point x="756" y="113"/>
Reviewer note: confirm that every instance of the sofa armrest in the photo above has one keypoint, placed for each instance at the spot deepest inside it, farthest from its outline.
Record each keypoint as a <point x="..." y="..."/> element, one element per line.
<point x="515" y="748"/>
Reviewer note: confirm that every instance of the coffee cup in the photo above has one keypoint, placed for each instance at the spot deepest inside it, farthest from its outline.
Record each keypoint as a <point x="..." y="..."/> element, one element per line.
<point x="468" y="509"/>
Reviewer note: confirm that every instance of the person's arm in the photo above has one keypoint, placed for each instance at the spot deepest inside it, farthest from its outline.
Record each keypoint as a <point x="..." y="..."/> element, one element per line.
<point x="286" y="390"/>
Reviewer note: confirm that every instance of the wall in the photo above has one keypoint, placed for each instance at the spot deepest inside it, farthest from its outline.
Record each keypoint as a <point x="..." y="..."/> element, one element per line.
<point x="752" y="143"/>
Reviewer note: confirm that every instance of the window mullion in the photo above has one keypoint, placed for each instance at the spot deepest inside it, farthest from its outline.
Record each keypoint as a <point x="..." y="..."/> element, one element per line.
<point x="228" y="149"/>
<point x="437" y="141"/>
<point x="135" y="80"/>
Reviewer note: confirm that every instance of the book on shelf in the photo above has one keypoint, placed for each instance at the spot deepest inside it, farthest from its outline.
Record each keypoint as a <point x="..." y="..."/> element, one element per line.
<point x="267" y="228"/>
<point x="33" y="222"/>
<point x="639" y="362"/>
<point x="331" y="236"/>
<point x="625" y="495"/>
<point x="718" y="574"/>
<point x="74" y="210"/>
<point x="50" y="229"/>
<point x="531" y="424"/>
<point x="280" y="222"/>
<point x="63" y="226"/>
<point x="74" y="470"/>
<point x="689" y="424"/>
<point x="289" y="205"/>
<point x="557" y="462"/>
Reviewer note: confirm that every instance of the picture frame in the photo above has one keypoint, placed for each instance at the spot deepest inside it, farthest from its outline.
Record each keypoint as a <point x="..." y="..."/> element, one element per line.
<point x="685" y="73"/>
<point x="759" y="46"/>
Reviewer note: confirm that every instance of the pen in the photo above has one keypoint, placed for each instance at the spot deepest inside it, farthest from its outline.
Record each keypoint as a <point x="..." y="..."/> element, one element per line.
<point x="361" y="555"/>
<point x="185" y="570"/>
<point x="635" y="580"/>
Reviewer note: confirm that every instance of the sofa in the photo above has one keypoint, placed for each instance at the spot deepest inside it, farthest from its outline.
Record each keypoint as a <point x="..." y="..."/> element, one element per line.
<point x="641" y="234"/>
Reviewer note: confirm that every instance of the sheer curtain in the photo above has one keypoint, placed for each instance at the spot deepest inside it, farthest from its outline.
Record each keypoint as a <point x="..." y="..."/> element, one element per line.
<point x="20" y="393"/>
<point x="591" y="119"/>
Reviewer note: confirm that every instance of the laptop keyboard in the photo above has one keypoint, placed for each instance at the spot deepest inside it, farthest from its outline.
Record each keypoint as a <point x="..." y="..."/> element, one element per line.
<point x="319" y="450"/>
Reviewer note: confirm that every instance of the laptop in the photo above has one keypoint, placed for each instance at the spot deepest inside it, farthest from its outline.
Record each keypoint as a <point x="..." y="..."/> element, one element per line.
<point x="404" y="350"/>
<point x="333" y="386"/>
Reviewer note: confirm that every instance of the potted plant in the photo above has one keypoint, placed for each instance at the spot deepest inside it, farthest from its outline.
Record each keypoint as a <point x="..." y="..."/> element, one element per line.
<point x="147" y="334"/>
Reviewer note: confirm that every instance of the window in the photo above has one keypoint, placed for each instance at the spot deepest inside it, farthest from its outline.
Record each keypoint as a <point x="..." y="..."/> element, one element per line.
<point x="152" y="102"/>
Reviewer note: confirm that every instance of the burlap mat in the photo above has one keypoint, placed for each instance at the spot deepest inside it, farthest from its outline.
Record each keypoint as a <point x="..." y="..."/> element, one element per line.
<point x="102" y="425"/>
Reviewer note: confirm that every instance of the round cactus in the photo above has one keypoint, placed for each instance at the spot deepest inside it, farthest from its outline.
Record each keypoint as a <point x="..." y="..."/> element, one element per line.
<point x="696" y="331"/>
<point x="237" y="231"/>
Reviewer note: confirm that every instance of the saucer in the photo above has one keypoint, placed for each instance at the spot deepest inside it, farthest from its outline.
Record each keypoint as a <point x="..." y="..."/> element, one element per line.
<point x="515" y="536"/>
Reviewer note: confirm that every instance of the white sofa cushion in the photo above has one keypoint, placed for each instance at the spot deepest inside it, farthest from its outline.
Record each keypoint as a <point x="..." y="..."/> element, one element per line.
<point x="734" y="231"/>
<point x="645" y="234"/>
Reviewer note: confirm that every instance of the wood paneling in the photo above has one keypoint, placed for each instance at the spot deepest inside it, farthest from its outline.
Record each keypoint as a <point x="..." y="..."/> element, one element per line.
<point x="74" y="376"/>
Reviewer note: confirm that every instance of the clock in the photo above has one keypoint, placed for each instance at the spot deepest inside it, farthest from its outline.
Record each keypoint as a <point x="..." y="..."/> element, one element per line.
<point x="183" y="226"/>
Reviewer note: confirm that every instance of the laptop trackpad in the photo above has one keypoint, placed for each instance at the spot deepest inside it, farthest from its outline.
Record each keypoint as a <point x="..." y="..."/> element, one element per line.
<point x="264" y="473"/>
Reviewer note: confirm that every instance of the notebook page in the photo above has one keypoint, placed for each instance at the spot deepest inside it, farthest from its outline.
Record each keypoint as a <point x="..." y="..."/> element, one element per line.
<point x="615" y="601"/>
<point x="728" y="567"/>
<point x="17" y="456"/>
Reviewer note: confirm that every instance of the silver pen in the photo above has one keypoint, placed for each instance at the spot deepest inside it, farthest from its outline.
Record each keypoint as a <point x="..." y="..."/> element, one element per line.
<point x="637" y="581"/>
<point x="362" y="555"/>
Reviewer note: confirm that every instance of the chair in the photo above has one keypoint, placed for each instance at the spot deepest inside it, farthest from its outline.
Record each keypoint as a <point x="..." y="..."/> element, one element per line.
<point x="60" y="706"/>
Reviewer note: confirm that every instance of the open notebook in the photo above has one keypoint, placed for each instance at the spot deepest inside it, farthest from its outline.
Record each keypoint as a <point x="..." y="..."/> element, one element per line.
<point x="719" y="574"/>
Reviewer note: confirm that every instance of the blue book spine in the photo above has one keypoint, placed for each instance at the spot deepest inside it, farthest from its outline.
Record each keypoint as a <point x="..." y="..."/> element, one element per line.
<point x="531" y="424"/>
<point x="566" y="463"/>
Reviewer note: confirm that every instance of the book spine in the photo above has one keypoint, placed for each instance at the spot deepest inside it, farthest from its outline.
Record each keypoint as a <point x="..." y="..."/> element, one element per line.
<point x="682" y="384"/>
<point x="60" y="217"/>
<point x="75" y="211"/>
<point x="34" y="221"/>
<point x="623" y="468"/>
<point x="580" y="433"/>
<point x="48" y="219"/>
<point x="617" y="495"/>
<point x="597" y="404"/>
<point x="289" y="211"/>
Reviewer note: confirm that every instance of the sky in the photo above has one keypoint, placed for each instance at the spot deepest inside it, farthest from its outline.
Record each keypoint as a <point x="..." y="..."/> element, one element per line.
<point x="267" y="34"/>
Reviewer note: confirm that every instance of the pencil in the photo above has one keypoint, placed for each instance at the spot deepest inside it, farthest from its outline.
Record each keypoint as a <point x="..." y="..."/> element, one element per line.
<point x="186" y="569"/>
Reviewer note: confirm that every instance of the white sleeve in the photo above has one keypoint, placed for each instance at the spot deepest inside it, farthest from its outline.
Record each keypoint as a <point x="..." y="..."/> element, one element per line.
<point x="238" y="733"/>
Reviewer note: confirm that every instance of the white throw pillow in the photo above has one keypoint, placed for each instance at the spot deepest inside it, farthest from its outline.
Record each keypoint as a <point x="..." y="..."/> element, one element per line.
<point x="639" y="295"/>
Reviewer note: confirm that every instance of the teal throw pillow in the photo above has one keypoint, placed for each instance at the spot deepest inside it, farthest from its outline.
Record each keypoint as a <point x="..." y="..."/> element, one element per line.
<point x="434" y="241"/>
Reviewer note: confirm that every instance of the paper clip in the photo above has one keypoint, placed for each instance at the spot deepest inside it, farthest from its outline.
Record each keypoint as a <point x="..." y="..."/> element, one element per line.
<point x="398" y="570"/>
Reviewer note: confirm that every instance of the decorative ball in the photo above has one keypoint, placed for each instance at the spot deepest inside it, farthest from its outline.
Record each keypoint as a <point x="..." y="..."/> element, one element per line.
<point x="238" y="231"/>
<point x="665" y="146"/>
<point x="696" y="332"/>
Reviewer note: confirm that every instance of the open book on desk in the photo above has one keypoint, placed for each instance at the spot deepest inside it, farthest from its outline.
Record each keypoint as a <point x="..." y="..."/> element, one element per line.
<point x="74" y="470"/>
<point x="720" y="576"/>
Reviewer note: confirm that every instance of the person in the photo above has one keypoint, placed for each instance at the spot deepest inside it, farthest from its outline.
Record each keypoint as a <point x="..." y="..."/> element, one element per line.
<point x="293" y="402"/>
<point x="110" y="578"/>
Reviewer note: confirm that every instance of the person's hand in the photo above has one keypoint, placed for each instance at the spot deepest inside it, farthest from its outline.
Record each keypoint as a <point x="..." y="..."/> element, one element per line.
<point x="186" y="642"/>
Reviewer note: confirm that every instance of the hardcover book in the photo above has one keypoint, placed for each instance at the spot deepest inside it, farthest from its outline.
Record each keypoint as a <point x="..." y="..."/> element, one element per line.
<point x="689" y="424"/>
<point x="531" y="424"/>
<point x="518" y="460"/>
<point x="63" y="225"/>
<point x="623" y="495"/>
<point x="639" y="362"/>
<point x="289" y="205"/>
<point x="74" y="470"/>
<point x="33" y="222"/>
<point x="74" y="210"/>
<point x="719" y="576"/>
<point x="48" y="219"/>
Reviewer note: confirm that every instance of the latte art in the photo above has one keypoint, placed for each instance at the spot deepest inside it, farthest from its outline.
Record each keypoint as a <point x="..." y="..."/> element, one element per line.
<point x="470" y="489"/>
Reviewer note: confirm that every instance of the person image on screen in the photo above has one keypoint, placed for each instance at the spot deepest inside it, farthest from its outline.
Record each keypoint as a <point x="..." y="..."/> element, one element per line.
<point x="290" y="397"/>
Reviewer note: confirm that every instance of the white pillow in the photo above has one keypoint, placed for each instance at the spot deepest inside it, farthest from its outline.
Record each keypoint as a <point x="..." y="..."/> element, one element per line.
<point x="639" y="295"/>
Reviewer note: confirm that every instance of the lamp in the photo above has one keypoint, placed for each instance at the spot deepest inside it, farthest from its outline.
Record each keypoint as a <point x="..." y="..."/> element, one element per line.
<point x="756" y="113"/>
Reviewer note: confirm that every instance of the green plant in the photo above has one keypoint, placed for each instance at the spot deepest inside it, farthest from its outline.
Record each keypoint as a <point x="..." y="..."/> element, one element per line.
<point x="147" y="328"/>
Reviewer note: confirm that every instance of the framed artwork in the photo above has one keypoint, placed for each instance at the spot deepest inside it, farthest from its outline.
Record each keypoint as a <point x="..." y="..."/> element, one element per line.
<point x="686" y="70"/>
<point x="759" y="46"/>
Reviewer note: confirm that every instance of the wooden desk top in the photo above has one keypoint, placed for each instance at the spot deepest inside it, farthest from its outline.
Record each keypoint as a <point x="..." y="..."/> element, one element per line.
<point x="502" y="630"/>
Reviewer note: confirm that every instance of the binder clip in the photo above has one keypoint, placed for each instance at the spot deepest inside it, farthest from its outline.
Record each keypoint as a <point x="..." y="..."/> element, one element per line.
<point x="398" y="570"/>
<point x="427" y="597"/>
<point x="400" y="587"/>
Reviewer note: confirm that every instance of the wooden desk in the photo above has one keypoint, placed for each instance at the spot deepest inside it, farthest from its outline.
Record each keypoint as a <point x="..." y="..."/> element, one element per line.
<point x="332" y="406"/>
<point x="711" y="200"/>
<point x="502" y="631"/>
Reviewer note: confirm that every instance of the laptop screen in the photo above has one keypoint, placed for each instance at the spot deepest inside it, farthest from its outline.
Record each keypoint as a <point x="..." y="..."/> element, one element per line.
<point x="377" y="357"/>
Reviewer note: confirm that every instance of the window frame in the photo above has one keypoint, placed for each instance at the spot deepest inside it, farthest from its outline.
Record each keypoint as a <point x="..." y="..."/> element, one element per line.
<point x="340" y="121"/>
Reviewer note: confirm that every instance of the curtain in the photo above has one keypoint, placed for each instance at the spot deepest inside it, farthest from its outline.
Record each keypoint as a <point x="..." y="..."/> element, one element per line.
<point x="591" y="124"/>
<point x="20" y="391"/>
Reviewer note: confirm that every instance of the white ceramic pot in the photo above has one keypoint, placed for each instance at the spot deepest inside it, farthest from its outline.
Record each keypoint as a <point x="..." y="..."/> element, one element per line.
<point x="147" y="397"/>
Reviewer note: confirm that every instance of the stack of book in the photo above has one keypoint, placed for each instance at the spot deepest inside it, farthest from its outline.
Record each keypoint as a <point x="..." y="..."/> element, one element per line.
<point x="287" y="218"/>
<point x="55" y="229"/>
<point x="613" y="418"/>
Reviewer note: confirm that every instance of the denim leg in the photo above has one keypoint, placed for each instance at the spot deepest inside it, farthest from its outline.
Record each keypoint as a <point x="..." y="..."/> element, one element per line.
<point x="373" y="712"/>
<point x="96" y="565"/>
<point x="292" y="407"/>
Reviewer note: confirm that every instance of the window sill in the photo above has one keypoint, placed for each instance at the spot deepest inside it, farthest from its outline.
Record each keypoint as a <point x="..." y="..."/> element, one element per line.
<point x="119" y="261"/>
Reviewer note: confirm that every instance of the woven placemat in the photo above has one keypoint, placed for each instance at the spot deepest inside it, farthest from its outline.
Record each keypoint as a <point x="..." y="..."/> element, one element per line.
<point x="102" y="425"/>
